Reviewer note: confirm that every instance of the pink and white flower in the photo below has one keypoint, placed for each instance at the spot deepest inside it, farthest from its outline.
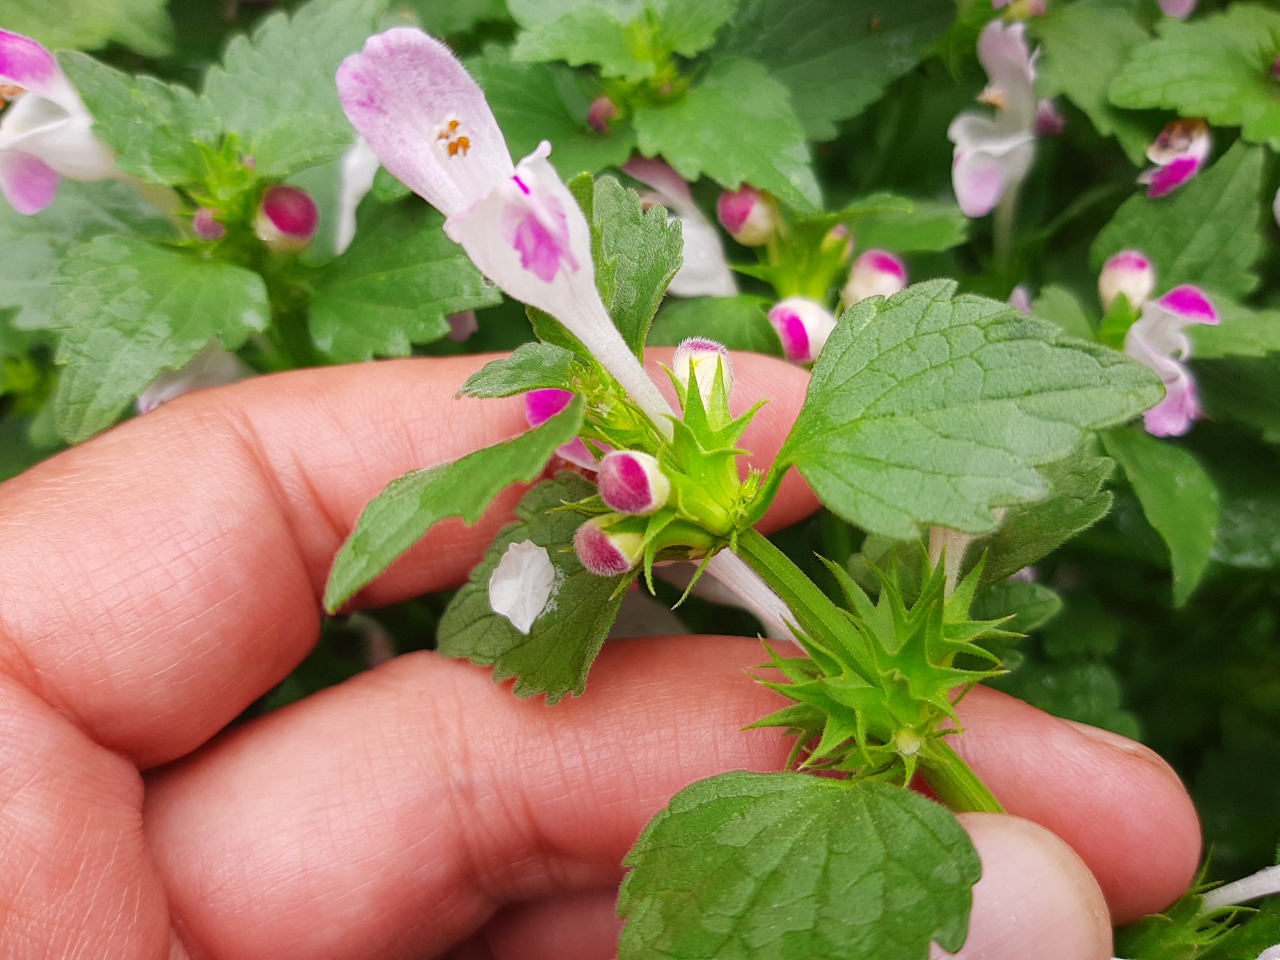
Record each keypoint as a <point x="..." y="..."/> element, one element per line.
<point x="540" y="406"/>
<point x="705" y="270"/>
<point x="876" y="273"/>
<point x="287" y="218"/>
<point x="803" y="326"/>
<point x="45" y="129"/>
<point x="632" y="482"/>
<point x="750" y="217"/>
<point x="604" y="552"/>
<point x="427" y="121"/>
<point x="1157" y="340"/>
<point x="1180" y="9"/>
<point x="1179" y="153"/>
<point x="1129" y="272"/>
<point x="994" y="153"/>
<point x="358" y="167"/>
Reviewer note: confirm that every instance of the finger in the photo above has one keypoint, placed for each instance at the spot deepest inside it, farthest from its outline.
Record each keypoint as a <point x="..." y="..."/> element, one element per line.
<point x="164" y="576"/>
<point x="454" y="793"/>
<point x="575" y="926"/>
<point x="1036" y="897"/>
<point x="1116" y="803"/>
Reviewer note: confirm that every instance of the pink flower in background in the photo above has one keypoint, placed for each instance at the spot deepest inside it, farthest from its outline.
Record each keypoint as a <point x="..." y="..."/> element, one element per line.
<point x="602" y="112"/>
<point x="428" y="123"/>
<point x="704" y="271"/>
<point x="1181" y="9"/>
<point x="1157" y="340"/>
<point x="45" y="129"/>
<point x="994" y="153"/>
<point x="287" y="219"/>
<point x="750" y="217"/>
<point x="876" y="273"/>
<point x="1179" y="153"/>
<point x="1020" y="298"/>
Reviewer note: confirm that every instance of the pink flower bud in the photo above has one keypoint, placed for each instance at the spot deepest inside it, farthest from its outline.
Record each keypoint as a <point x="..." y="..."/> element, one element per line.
<point x="1178" y="153"/>
<point x="1129" y="272"/>
<point x="287" y="218"/>
<point x="206" y="226"/>
<point x="1180" y="9"/>
<point x="803" y="327"/>
<point x="540" y="406"/>
<point x="748" y="215"/>
<point x="876" y="273"/>
<point x="1049" y="119"/>
<point x="1020" y="299"/>
<point x="605" y="553"/>
<point x="632" y="482"/>
<point x="601" y="113"/>
<point x="697" y="360"/>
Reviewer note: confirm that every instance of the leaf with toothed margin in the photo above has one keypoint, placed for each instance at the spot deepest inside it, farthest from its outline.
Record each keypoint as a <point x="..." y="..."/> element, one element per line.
<point x="554" y="656"/>
<point x="929" y="408"/>
<point x="786" y="866"/>
<point x="531" y="366"/>
<point x="402" y="514"/>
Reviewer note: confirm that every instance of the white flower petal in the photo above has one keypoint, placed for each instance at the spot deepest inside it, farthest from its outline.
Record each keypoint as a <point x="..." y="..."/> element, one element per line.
<point x="522" y="583"/>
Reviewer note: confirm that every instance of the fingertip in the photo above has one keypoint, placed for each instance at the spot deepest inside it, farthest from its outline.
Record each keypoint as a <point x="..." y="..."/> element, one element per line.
<point x="1036" y="897"/>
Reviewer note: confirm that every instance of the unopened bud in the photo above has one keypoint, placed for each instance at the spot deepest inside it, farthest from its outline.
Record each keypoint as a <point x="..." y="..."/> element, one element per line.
<point x="803" y="327"/>
<point x="606" y="553"/>
<point x="876" y="273"/>
<point x="287" y="219"/>
<point x="1129" y="272"/>
<point x="696" y="362"/>
<point x="206" y="226"/>
<point x="750" y="217"/>
<point x="601" y="113"/>
<point x="632" y="482"/>
<point x="1050" y="121"/>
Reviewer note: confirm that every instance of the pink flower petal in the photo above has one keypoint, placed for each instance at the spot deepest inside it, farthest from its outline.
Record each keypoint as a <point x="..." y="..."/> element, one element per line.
<point x="28" y="183"/>
<point x="979" y="182"/>
<point x="26" y="63"/>
<point x="1181" y="9"/>
<point x="425" y="118"/>
<point x="541" y="405"/>
<point x="1164" y="180"/>
<point x="659" y="175"/>
<point x="1173" y="416"/>
<point x="1190" y="303"/>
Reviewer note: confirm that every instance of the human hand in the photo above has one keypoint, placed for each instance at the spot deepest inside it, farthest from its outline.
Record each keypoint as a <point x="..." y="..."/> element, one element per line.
<point x="164" y="576"/>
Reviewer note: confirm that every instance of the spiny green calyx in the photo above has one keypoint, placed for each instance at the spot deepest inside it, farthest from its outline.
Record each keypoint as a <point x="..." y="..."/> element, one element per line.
<point x="871" y="699"/>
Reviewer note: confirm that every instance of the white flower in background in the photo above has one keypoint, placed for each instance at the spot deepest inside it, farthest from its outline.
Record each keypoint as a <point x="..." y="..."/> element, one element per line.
<point x="1179" y="153"/>
<point x="522" y="583"/>
<point x="876" y="273"/>
<point x="427" y="121"/>
<point x="705" y="271"/>
<point x="45" y="128"/>
<point x="358" y="167"/>
<point x="803" y="326"/>
<point x="994" y="153"/>
<point x="211" y="367"/>
<point x="1158" y="341"/>
<point x="1129" y="272"/>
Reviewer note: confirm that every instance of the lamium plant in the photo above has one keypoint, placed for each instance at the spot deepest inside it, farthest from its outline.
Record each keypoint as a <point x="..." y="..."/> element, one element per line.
<point x="1047" y="464"/>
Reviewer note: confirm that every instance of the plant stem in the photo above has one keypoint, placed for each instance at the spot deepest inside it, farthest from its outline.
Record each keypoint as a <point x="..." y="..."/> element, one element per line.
<point x="1006" y="210"/>
<point x="954" y="781"/>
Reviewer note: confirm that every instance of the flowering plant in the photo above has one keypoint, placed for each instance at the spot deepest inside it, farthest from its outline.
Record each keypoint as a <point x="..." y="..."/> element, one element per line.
<point x="1007" y="471"/>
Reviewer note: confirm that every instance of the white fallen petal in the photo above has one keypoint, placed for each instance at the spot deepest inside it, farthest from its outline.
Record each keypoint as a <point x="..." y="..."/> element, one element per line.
<point x="522" y="583"/>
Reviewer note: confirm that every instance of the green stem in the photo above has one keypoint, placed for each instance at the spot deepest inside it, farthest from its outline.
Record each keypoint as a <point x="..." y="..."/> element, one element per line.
<point x="1006" y="210"/>
<point x="954" y="781"/>
<point x="814" y="612"/>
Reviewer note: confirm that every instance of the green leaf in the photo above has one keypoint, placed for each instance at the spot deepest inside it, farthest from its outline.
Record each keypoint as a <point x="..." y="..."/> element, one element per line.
<point x="687" y="27"/>
<point x="458" y="16"/>
<point x="783" y="866"/>
<point x="533" y="366"/>
<point x="1085" y="45"/>
<point x="152" y="126"/>
<point x="128" y="310"/>
<point x="1030" y="605"/>
<point x="402" y="514"/>
<point x="626" y="40"/>
<point x="929" y="408"/>
<point x="836" y="56"/>
<point x="1217" y="67"/>
<point x="588" y="34"/>
<point x="736" y="126"/>
<point x="1059" y="306"/>
<point x="1241" y="332"/>
<point x="539" y="101"/>
<point x="1208" y="233"/>
<point x="636" y="253"/>
<point x="1245" y="390"/>
<point x="1245" y="474"/>
<point x="141" y="25"/>
<point x="929" y="226"/>
<point x="740" y="323"/>
<point x="1076" y="502"/>
<point x="395" y="286"/>
<point x="34" y="247"/>
<point x="1177" y="498"/>
<point x="555" y="655"/>
<point x="276" y="89"/>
